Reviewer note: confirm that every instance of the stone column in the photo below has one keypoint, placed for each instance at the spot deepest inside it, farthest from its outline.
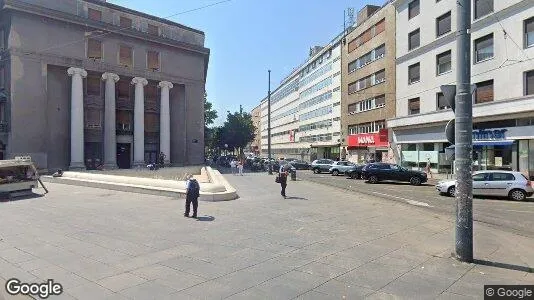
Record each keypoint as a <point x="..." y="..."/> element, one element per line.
<point x="110" y="133"/>
<point x="76" y="119"/>
<point x="139" y="121"/>
<point x="165" y="121"/>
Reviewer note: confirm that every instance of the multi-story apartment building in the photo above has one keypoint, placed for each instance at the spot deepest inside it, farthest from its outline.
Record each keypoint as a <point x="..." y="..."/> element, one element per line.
<point x="305" y="108"/>
<point x="255" y="145"/>
<point x="368" y="85"/>
<point x="86" y="83"/>
<point x="502" y="69"/>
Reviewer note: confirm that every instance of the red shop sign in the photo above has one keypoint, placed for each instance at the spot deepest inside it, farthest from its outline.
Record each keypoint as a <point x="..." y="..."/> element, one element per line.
<point x="379" y="139"/>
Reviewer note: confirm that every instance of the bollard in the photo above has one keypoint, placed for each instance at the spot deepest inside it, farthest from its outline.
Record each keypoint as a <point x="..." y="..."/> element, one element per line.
<point x="294" y="175"/>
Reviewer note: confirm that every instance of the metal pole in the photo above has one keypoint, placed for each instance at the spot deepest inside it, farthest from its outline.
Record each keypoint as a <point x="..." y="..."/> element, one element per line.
<point x="464" y="135"/>
<point x="269" y="125"/>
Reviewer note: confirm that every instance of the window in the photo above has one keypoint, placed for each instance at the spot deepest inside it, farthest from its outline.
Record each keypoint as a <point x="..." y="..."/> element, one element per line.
<point x="94" y="49"/>
<point x="413" y="106"/>
<point x="502" y="177"/>
<point x="484" y="48"/>
<point x="480" y="177"/>
<point x="152" y="60"/>
<point x="2" y="39"/>
<point x="380" y="51"/>
<point x="125" y="22"/>
<point x="151" y="122"/>
<point x="153" y="29"/>
<point x="353" y="66"/>
<point x="428" y="146"/>
<point x="529" y="32"/>
<point x="484" y="92"/>
<point x="380" y="26"/>
<point x="352" y="107"/>
<point x="124" y="120"/>
<point x="93" y="118"/>
<point x="443" y="62"/>
<point x="483" y="7"/>
<point x="414" y="39"/>
<point x="529" y="83"/>
<point x="125" y="56"/>
<point x="93" y="85"/>
<point x="352" y="87"/>
<point x="94" y="14"/>
<point x="123" y="89"/>
<point x="443" y="24"/>
<point x="380" y="101"/>
<point x="2" y="78"/>
<point x="441" y="104"/>
<point x="380" y="76"/>
<point x="413" y="73"/>
<point x="413" y="9"/>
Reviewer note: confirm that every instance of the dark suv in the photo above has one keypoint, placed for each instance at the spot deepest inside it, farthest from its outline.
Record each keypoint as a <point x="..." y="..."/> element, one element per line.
<point x="376" y="172"/>
<point x="354" y="172"/>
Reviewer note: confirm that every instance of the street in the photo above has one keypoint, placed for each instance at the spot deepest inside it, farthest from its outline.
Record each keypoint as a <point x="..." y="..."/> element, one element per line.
<point x="517" y="217"/>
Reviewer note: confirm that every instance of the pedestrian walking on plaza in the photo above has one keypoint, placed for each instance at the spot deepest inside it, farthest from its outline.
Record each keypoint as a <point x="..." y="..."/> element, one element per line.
<point x="233" y="166"/>
<point x="282" y="178"/>
<point x="428" y="168"/>
<point x="191" y="196"/>
<point x="240" y="167"/>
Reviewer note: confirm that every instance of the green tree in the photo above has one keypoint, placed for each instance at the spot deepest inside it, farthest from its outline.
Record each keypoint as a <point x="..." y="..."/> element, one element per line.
<point x="210" y="115"/>
<point x="237" y="131"/>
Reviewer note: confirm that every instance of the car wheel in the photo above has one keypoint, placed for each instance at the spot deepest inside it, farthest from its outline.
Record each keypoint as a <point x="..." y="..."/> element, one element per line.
<point x="335" y="172"/>
<point x="517" y="195"/>
<point x="373" y="179"/>
<point x="353" y="175"/>
<point x="452" y="191"/>
<point x="415" y="181"/>
<point x="316" y="171"/>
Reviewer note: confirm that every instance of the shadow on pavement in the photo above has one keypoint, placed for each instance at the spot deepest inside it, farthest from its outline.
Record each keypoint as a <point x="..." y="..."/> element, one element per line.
<point x="503" y="265"/>
<point x="206" y="218"/>
<point x="296" y="198"/>
<point x="18" y="198"/>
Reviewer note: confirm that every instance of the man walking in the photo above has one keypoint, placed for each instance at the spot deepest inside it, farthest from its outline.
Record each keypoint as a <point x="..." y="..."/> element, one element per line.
<point x="240" y="167"/>
<point x="191" y="196"/>
<point x="233" y="166"/>
<point x="282" y="173"/>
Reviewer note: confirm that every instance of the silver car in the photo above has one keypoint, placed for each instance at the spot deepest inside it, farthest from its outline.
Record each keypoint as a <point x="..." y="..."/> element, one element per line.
<point x="513" y="185"/>
<point x="339" y="167"/>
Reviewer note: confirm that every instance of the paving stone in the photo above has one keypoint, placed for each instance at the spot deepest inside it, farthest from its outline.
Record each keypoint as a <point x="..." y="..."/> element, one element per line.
<point x="290" y="285"/>
<point x="15" y="255"/>
<point x="120" y="282"/>
<point x="343" y="290"/>
<point x="323" y="270"/>
<point x="90" y="291"/>
<point x="373" y="275"/>
<point x="417" y="285"/>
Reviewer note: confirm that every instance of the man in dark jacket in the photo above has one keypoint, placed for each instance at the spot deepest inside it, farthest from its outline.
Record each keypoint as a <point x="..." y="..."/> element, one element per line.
<point x="283" y="172"/>
<point x="191" y="196"/>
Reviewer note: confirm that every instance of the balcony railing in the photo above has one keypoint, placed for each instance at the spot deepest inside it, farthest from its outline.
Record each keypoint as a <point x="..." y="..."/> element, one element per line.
<point x="124" y="129"/>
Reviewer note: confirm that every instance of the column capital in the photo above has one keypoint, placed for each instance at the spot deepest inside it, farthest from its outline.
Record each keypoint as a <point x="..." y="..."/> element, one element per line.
<point x="139" y="80"/>
<point x="166" y="84"/>
<point x="110" y="76"/>
<point x="76" y="71"/>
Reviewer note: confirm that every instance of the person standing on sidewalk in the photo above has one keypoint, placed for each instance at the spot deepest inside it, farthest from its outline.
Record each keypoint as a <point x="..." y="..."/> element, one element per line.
<point x="282" y="173"/>
<point x="233" y="166"/>
<point x="191" y="195"/>
<point x="240" y="167"/>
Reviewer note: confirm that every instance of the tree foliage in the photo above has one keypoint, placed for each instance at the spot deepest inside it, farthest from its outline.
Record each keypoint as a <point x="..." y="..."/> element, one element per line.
<point x="210" y="115"/>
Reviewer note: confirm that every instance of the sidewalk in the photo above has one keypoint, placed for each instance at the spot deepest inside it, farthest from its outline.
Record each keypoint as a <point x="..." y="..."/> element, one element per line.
<point x="320" y="243"/>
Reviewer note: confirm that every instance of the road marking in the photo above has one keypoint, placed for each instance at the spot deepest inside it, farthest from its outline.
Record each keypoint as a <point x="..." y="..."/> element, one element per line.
<point x="409" y="201"/>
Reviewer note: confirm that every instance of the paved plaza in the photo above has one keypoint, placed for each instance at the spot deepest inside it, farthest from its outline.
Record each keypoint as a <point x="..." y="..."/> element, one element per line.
<point x="320" y="243"/>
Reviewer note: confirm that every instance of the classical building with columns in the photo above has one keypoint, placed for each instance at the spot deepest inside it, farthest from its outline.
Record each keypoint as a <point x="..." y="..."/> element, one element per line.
<point x="86" y="84"/>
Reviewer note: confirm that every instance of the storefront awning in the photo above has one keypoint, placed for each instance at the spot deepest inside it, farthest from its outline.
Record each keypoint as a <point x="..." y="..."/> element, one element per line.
<point x="488" y="143"/>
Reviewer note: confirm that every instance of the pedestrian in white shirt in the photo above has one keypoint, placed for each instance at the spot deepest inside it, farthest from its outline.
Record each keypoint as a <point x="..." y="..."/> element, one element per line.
<point x="233" y="166"/>
<point x="240" y="167"/>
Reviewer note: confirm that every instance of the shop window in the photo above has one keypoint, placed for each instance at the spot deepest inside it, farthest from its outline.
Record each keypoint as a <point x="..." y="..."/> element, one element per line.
<point x="443" y="24"/>
<point x="125" y="56"/>
<point x="443" y="62"/>
<point x="94" y="14"/>
<point x="413" y="73"/>
<point x="413" y="106"/>
<point x="483" y="7"/>
<point x="413" y="9"/>
<point x="529" y="32"/>
<point x="152" y="58"/>
<point x="94" y="49"/>
<point x="529" y="83"/>
<point x="414" y="39"/>
<point x="484" y="92"/>
<point x="484" y="48"/>
<point x="125" y="22"/>
<point x="93" y="85"/>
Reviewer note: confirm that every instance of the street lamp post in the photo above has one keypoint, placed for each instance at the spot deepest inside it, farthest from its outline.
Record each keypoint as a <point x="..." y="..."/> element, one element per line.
<point x="269" y="125"/>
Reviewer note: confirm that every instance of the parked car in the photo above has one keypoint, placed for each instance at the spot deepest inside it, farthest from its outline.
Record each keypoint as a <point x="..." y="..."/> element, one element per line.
<point x="354" y="172"/>
<point x="321" y="165"/>
<point x="339" y="167"/>
<point x="513" y="185"/>
<point x="290" y="159"/>
<point x="376" y="172"/>
<point x="300" y="164"/>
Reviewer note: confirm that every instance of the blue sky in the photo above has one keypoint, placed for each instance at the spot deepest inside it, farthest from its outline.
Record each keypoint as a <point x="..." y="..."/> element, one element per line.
<point x="248" y="37"/>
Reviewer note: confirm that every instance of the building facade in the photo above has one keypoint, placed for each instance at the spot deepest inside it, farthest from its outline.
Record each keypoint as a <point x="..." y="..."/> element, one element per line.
<point x="255" y="145"/>
<point x="502" y="69"/>
<point x="89" y="84"/>
<point x="368" y="85"/>
<point x="306" y="108"/>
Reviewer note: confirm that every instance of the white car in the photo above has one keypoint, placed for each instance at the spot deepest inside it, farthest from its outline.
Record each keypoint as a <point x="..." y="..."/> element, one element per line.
<point x="513" y="185"/>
